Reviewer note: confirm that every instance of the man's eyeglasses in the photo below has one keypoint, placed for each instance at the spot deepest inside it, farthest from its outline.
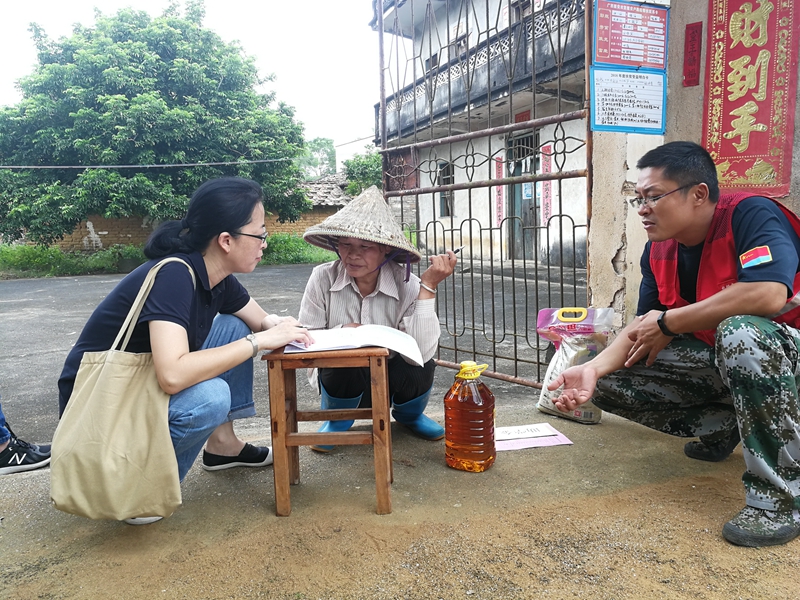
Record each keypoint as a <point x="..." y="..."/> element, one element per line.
<point x="637" y="202"/>
<point x="263" y="237"/>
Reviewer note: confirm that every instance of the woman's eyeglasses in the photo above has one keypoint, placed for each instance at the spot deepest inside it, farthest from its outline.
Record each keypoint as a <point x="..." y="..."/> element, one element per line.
<point x="263" y="237"/>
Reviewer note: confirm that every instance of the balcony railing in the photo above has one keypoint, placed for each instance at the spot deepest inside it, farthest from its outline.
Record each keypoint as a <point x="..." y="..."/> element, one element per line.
<point x="551" y="39"/>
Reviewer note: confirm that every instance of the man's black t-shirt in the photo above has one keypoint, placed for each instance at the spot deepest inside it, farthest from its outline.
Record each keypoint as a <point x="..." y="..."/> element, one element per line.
<point x="756" y="221"/>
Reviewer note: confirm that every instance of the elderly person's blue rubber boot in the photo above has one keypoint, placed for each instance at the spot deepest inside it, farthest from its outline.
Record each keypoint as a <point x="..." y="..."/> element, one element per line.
<point x="411" y="415"/>
<point x="327" y="401"/>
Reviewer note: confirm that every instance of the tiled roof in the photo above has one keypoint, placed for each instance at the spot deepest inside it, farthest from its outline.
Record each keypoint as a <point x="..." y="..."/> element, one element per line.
<point x="327" y="190"/>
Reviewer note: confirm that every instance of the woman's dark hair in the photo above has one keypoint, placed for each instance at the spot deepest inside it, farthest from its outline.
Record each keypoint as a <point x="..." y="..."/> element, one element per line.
<point x="219" y="205"/>
<point x="685" y="163"/>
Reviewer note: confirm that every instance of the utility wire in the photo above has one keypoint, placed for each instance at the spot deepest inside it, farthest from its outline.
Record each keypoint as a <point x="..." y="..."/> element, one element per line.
<point x="369" y="137"/>
<point x="207" y="164"/>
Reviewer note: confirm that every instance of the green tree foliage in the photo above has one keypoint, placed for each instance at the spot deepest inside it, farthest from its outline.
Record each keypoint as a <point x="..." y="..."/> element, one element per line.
<point x="319" y="159"/>
<point x="136" y="90"/>
<point x="363" y="171"/>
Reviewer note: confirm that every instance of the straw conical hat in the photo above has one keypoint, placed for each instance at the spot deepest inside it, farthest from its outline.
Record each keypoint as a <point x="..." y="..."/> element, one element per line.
<point x="366" y="217"/>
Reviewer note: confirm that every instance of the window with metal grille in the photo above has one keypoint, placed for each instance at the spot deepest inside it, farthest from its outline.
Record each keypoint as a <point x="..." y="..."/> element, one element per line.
<point x="432" y="63"/>
<point x="523" y="152"/>
<point x="520" y="10"/>
<point x="458" y="47"/>
<point x="446" y="176"/>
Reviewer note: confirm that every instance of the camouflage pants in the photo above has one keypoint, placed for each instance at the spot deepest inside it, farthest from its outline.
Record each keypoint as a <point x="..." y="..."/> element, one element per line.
<point x="749" y="379"/>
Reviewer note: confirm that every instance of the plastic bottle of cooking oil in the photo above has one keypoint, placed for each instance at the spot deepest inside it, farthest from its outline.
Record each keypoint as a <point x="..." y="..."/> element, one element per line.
<point x="469" y="421"/>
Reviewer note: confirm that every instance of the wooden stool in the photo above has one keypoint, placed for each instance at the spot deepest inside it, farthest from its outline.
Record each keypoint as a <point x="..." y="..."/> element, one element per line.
<point x="284" y="416"/>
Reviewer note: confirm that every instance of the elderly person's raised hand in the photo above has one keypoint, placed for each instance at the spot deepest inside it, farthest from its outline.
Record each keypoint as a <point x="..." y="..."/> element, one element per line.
<point x="441" y="267"/>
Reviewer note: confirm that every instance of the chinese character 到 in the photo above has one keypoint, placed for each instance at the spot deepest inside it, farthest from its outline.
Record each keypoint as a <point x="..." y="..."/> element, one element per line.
<point x="744" y="76"/>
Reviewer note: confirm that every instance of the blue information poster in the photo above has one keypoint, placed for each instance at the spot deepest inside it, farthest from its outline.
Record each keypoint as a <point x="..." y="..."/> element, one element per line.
<point x="629" y="101"/>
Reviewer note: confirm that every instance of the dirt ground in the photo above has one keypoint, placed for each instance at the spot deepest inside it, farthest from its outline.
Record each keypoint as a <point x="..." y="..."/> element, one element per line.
<point x="620" y="514"/>
<point x="450" y="535"/>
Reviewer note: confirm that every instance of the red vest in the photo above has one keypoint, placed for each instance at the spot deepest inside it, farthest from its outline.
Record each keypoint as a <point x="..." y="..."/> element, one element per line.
<point x="718" y="265"/>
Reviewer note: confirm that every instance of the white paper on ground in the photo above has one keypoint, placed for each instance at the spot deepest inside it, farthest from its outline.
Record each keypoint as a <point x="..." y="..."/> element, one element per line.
<point x="524" y="431"/>
<point x="537" y="442"/>
<point x="535" y="435"/>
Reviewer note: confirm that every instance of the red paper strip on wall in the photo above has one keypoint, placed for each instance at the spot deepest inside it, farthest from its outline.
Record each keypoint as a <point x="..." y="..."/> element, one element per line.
<point x="692" y="49"/>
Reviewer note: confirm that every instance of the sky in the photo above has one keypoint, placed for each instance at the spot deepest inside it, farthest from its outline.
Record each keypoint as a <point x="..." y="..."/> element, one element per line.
<point x="323" y="53"/>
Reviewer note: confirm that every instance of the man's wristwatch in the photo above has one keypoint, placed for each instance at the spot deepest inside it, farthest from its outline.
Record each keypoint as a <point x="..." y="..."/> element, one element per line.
<point x="251" y="337"/>
<point x="663" y="326"/>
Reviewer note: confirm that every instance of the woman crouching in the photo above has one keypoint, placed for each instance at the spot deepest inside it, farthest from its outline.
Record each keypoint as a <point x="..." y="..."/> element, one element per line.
<point x="203" y="330"/>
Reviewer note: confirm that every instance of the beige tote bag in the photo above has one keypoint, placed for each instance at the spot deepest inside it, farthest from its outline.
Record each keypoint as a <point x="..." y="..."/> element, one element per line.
<point x="112" y="455"/>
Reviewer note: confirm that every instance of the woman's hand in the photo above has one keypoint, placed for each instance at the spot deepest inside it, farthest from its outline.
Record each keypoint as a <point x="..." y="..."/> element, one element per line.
<point x="271" y="321"/>
<point x="288" y="330"/>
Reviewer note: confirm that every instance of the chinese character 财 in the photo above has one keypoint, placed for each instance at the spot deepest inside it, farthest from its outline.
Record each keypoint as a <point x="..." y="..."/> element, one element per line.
<point x="745" y="23"/>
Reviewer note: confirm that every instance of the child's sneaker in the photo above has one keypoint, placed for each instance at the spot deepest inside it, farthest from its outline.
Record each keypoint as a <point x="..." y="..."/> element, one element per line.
<point x="586" y="413"/>
<point x="22" y="456"/>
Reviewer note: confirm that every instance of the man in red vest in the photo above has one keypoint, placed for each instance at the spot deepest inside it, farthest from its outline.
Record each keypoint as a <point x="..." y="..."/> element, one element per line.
<point x="715" y="351"/>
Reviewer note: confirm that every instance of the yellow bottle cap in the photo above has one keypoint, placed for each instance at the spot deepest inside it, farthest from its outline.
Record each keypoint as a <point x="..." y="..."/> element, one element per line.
<point x="471" y="370"/>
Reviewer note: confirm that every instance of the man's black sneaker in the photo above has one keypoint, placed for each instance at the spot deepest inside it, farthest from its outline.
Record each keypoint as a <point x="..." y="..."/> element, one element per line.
<point x="712" y="450"/>
<point x="250" y="456"/>
<point x="21" y="456"/>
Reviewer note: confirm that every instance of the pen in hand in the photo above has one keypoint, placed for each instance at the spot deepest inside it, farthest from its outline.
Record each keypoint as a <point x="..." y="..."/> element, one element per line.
<point x="459" y="249"/>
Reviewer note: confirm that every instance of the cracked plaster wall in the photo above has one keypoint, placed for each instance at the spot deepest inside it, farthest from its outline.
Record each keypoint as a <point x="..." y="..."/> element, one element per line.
<point x="616" y="237"/>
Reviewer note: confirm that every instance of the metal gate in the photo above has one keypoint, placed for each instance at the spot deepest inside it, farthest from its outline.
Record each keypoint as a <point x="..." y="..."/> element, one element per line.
<point x="483" y="126"/>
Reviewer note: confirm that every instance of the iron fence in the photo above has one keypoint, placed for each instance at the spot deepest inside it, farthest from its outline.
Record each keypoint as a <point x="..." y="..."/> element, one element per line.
<point x="483" y="127"/>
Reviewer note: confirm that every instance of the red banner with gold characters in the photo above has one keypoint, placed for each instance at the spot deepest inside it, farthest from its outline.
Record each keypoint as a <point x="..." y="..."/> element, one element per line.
<point x="751" y="82"/>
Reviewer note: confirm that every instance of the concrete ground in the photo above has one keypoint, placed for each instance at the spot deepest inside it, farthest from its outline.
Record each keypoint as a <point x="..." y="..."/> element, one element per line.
<point x="621" y="513"/>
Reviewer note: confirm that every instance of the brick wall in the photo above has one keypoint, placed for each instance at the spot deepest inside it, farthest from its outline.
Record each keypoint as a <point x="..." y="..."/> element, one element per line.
<point x="317" y="215"/>
<point x="98" y="232"/>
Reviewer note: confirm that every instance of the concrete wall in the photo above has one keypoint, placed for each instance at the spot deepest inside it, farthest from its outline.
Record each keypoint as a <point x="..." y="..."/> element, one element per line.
<point x="616" y="237"/>
<point x="607" y="238"/>
<point x="97" y="233"/>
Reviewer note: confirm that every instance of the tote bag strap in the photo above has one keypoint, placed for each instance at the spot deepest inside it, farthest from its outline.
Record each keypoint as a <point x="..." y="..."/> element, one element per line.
<point x="136" y="308"/>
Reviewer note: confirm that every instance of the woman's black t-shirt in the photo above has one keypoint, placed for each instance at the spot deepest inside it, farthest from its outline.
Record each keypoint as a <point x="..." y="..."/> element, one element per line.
<point x="173" y="298"/>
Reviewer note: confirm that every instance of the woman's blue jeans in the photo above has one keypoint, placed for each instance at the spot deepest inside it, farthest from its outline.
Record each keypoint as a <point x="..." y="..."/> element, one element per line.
<point x="197" y="411"/>
<point x="5" y="435"/>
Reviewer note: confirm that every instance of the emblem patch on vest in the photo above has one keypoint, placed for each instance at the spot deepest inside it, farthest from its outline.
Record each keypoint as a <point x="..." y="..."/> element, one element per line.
<point x="756" y="256"/>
